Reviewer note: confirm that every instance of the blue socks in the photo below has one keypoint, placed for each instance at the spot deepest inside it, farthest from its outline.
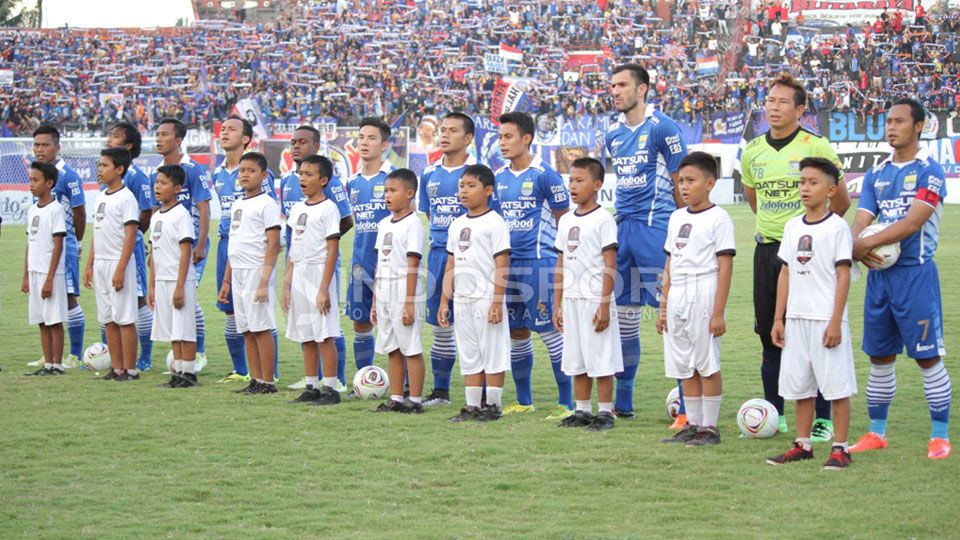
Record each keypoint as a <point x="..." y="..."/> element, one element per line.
<point x="276" y="355"/>
<point x="234" y="339"/>
<point x="363" y="344"/>
<point x="554" y="343"/>
<point x="628" y="318"/>
<point x="521" y="364"/>
<point x="937" y="388"/>
<point x="341" y="344"/>
<point x="144" y="329"/>
<point x="881" y="387"/>
<point x="201" y="330"/>
<point x="75" y="327"/>
<point x="683" y="402"/>
<point x="443" y="355"/>
<point x="103" y="334"/>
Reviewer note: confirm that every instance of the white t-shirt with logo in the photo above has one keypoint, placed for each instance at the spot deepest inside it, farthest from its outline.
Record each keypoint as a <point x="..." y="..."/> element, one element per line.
<point x="114" y="211"/>
<point x="474" y="241"/>
<point x="43" y="223"/>
<point x="812" y="252"/>
<point x="311" y="225"/>
<point x="251" y="218"/>
<point x="169" y="229"/>
<point x="397" y="240"/>
<point x="581" y="240"/>
<point x="695" y="239"/>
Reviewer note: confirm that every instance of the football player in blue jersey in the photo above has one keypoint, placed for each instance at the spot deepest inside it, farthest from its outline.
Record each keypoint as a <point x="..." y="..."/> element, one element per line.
<point x="305" y="142"/>
<point x="902" y="308"/>
<point x="439" y="199"/>
<point x="235" y="136"/>
<point x="195" y="198"/>
<point x="365" y="191"/>
<point x="126" y="135"/>
<point x="68" y="191"/>
<point x="646" y="148"/>
<point x="531" y="197"/>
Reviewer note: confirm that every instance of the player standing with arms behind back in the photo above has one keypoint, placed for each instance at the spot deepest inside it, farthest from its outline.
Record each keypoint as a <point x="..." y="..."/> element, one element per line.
<point x="646" y="147"/>
<point x="770" y="168"/>
<point x="902" y="308"/>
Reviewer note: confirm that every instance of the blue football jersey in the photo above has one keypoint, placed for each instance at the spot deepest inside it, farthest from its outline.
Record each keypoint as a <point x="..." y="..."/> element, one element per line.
<point x="68" y="191"/>
<point x="369" y="209"/>
<point x="526" y="200"/>
<point x="439" y="198"/>
<point x="196" y="188"/>
<point x="226" y="183"/>
<point x="291" y="194"/>
<point x="889" y="190"/>
<point x="643" y="159"/>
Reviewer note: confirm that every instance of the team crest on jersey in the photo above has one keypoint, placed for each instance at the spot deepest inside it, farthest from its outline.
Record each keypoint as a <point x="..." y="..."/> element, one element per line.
<point x="235" y="220"/>
<point x="910" y="182"/>
<point x="526" y="189"/>
<point x="795" y="162"/>
<point x="301" y="225"/>
<point x="433" y="188"/>
<point x="378" y="191"/>
<point x="573" y="239"/>
<point x="683" y="237"/>
<point x="101" y="211"/>
<point x="642" y="139"/>
<point x="805" y="249"/>
<point x="35" y="226"/>
<point x="387" y="243"/>
<point x="354" y="197"/>
<point x="157" y="231"/>
<point x="463" y="243"/>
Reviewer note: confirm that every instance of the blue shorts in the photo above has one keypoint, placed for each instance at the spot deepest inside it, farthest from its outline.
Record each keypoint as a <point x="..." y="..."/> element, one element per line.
<point x="640" y="262"/>
<point x="71" y="271"/>
<point x="140" y="256"/>
<point x="223" y="247"/>
<point x="902" y="309"/>
<point x="436" y="264"/>
<point x="360" y="290"/>
<point x="200" y="266"/>
<point x="530" y="294"/>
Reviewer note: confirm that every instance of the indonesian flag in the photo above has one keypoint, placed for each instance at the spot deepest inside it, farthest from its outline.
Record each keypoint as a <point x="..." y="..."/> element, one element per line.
<point x="511" y="53"/>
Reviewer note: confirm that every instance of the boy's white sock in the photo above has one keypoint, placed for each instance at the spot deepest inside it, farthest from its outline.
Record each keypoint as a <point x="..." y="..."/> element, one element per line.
<point x="331" y="382"/>
<point x="313" y="382"/>
<point x="474" y="395"/>
<point x="188" y="366"/>
<point x="710" y="405"/>
<point x="495" y="396"/>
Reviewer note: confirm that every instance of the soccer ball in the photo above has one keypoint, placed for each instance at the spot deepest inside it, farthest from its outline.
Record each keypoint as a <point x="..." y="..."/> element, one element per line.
<point x="890" y="252"/>
<point x="758" y="419"/>
<point x="201" y="362"/>
<point x="673" y="403"/>
<point x="97" y="357"/>
<point x="371" y="382"/>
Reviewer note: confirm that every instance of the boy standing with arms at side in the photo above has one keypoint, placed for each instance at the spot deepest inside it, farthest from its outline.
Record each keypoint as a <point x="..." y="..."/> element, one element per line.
<point x="476" y="278"/>
<point x="816" y="252"/>
<point x="309" y="291"/>
<point x="173" y="279"/>
<point x="700" y="247"/>
<point x="109" y="270"/>
<point x="398" y="300"/>
<point x="252" y="257"/>
<point x="586" y="268"/>
<point x="43" y="267"/>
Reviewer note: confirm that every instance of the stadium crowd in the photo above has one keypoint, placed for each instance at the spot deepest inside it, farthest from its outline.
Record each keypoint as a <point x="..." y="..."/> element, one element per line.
<point x="330" y="60"/>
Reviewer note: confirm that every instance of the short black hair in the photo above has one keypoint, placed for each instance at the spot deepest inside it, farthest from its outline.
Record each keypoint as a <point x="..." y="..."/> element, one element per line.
<point x="119" y="156"/>
<point x="703" y="161"/>
<point x="326" y="166"/>
<point x="312" y="130"/>
<point x="379" y="124"/>
<point x="179" y="128"/>
<point x="246" y="129"/>
<point x="482" y="173"/>
<point x="259" y="158"/>
<point x="591" y="165"/>
<point x="639" y="74"/>
<point x="48" y="129"/>
<point x="131" y="136"/>
<point x="824" y="165"/>
<point x="408" y="177"/>
<point x="522" y="120"/>
<point x="789" y="81"/>
<point x="49" y="171"/>
<point x="174" y="172"/>
<point x="468" y="125"/>
<point x="916" y="109"/>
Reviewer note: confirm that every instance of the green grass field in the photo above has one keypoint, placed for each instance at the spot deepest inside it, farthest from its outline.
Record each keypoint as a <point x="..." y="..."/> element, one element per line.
<point x="84" y="458"/>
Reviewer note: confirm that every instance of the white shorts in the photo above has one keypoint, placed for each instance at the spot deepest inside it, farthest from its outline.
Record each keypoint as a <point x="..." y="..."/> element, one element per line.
<point x="807" y="365"/>
<point x="688" y="345"/>
<point x="584" y="349"/>
<point x="252" y="316"/>
<point x="47" y="311"/>
<point x="169" y="323"/>
<point x="393" y="335"/>
<point x="481" y="346"/>
<point x="305" y="323"/>
<point x="118" y="307"/>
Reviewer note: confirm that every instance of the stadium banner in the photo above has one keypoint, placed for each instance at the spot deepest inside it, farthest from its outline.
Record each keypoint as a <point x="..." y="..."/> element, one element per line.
<point x="708" y="66"/>
<point x="508" y="97"/>
<point x="727" y="127"/>
<point x="249" y="109"/>
<point x="854" y="12"/>
<point x="494" y="63"/>
<point x="6" y="77"/>
<point x="512" y="54"/>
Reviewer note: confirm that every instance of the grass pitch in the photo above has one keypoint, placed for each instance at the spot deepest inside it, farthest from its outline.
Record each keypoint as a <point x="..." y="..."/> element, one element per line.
<point x="83" y="458"/>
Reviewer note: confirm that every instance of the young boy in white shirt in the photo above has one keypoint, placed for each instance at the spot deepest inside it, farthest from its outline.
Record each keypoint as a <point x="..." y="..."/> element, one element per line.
<point x="251" y="260"/>
<point x="398" y="305"/>
<point x="172" y="292"/>
<point x="476" y="278"/>
<point x="43" y="267"/>
<point x="110" y="271"/>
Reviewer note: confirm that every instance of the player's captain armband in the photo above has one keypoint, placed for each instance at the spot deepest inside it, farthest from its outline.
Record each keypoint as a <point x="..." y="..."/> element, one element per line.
<point x="928" y="196"/>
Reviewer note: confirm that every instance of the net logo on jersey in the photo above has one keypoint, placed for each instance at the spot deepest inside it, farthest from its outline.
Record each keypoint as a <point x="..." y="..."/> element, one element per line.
<point x="683" y="237"/>
<point x="805" y="249"/>
<point x="101" y="211"/>
<point x="464" y="242"/>
<point x="573" y="239"/>
<point x="301" y="225"/>
<point x="235" y="223"/>
<point x="387" y="243"/>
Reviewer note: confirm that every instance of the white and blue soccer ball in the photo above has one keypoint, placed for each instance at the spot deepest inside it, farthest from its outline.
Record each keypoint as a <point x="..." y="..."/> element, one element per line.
<point x="97" y="357"/>
<point x="673" y="403"/>
<point x="758" y="419"/>
<point x="889" y="253"/>
<point x="371" y="382"/>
